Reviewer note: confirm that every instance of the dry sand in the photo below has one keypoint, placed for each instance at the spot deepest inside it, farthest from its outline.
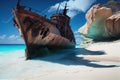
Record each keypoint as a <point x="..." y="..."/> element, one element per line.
<point x="100" y="61"/>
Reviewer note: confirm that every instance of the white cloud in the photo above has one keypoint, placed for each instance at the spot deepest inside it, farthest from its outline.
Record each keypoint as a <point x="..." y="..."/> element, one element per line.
<point x="75" y="32"/>
<point x="3" y="36"/>
<point x="74" y="6"/>
<point x="12" y="39"/>
<point x="15" y="39"/>
<point x="77" y="37"/>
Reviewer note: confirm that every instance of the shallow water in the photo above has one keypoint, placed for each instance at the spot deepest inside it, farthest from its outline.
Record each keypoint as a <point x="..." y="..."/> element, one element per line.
<point x="11" y="47"/>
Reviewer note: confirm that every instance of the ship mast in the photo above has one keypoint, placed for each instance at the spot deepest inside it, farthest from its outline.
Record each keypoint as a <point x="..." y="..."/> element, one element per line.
<point x="18" y="4"/>
<point x="65" y="13"/>
<point x="65" y="9"/>
<point x="58" y="8"/>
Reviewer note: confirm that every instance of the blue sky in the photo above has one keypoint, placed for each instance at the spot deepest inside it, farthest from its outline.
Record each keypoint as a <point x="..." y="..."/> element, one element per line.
<point x="77" y="11"/>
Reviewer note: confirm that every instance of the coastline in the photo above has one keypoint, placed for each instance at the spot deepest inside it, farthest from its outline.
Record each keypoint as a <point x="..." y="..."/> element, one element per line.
<point x="100" y="61"/>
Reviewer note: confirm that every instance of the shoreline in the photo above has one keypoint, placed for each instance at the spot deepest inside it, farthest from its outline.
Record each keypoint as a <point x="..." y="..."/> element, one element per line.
<point x="99" y="61"/>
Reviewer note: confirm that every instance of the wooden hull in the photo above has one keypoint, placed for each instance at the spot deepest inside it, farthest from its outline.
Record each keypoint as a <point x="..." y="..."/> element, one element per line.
<point x="39" y="34"/>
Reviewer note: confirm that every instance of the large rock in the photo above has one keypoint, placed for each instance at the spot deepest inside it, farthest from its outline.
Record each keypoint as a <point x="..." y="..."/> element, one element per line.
<point x="94" y="27"/>
<point x="113" y="25"/>
<point x="102" y="22"/>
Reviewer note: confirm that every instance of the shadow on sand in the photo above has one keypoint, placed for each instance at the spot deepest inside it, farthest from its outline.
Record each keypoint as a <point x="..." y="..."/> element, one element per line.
<point x="69" y="57"/>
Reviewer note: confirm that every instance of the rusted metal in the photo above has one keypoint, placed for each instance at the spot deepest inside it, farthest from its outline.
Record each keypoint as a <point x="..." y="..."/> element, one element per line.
<point x="41" y="34"/>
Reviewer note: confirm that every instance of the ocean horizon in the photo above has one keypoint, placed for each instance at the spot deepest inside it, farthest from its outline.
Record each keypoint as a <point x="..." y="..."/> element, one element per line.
<point x="11" y="47"/>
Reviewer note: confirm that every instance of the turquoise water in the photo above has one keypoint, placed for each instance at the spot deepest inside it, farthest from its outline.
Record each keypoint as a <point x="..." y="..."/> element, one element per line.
<point x="11" y="47"/>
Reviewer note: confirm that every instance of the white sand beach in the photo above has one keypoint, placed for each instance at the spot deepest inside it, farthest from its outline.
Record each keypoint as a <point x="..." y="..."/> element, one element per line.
<point x="100" y="61"/>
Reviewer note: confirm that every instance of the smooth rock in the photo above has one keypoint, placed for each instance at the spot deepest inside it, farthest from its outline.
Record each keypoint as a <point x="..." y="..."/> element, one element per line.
<point x="113" y="25"/>
<point x="95" y="25"/>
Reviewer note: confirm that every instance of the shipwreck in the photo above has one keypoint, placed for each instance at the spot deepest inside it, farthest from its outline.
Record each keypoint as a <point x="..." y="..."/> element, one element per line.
<point x="40" y="33"/>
